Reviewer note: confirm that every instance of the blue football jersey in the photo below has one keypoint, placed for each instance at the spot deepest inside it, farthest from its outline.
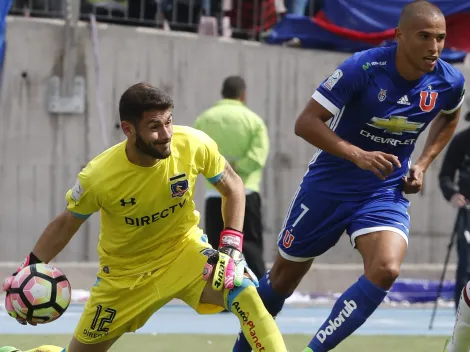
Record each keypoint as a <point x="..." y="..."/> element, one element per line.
<point x="376" y="109"/>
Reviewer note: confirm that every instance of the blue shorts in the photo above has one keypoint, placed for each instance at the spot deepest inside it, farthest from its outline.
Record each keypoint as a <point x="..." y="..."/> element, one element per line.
<point x="314" y="222"/>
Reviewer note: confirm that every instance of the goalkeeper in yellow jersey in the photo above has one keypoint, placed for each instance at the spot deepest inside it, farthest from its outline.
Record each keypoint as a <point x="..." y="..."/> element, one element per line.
<point x="150" y="247"/>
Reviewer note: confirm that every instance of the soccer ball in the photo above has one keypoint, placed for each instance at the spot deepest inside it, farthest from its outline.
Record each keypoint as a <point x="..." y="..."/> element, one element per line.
<point x="40" y="293"/>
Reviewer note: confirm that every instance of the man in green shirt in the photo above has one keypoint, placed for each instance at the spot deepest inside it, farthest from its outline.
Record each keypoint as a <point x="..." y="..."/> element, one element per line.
<point x="243" y="140"/>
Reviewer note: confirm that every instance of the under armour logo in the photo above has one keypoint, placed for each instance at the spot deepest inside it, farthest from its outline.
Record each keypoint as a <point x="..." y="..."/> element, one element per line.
<point x="125" y="202"/>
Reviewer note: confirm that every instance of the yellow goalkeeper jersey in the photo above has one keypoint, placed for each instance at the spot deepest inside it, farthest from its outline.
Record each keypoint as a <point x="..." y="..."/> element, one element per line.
<point x="146" y="213"/>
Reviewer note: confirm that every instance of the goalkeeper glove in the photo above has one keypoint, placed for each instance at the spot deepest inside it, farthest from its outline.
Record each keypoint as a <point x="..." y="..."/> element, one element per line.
<point x="230" y="264"/>
<point x="30" y="259"/>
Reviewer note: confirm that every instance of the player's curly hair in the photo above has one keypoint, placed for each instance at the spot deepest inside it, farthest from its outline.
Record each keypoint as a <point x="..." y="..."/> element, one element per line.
<point x="142" y="97"/>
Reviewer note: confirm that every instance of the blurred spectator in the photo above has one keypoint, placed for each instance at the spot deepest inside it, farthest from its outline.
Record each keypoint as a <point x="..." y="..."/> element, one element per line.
<point x="184" y="15"/>
<point x="38" y="8"/>
<point x="243" y="140"/>
<point x="243" y="19"/>
<point x="456" y="190"/>
<point x="105" y="10"/>
<point x="130" y="12"/>
<point x="180" y="14"/>
<point x="250" y="18"/>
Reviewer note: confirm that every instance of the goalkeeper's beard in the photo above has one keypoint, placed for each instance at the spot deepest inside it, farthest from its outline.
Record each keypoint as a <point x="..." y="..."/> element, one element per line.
<point x="149" y="148"/>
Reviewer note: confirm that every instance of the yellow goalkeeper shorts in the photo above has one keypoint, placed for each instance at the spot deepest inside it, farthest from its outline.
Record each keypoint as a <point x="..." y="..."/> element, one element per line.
<point x="120" y="305"/>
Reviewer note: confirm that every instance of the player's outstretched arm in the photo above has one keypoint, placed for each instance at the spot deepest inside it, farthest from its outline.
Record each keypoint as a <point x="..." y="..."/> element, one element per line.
<point x="441" y="131"/>
<point x="56" y="235"/>
<point x="230" y="260"/>
<point x="310" y="126"/>
<point x="54" y="238"/>
<point x="231" y="187"/>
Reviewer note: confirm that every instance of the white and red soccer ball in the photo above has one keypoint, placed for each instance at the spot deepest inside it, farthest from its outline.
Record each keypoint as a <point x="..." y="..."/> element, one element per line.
<point x="39" y="293"/>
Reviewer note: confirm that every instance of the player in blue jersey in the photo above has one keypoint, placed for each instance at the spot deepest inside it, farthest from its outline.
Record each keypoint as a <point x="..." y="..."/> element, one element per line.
<point x="379" y="101"/>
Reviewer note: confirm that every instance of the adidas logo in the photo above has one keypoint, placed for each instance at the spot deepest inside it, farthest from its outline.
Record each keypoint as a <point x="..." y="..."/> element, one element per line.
<point x="349" y="307"/>
<point x="403" y="100"/>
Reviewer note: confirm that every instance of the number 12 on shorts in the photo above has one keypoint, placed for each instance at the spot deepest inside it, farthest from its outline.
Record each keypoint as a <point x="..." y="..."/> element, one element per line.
<point x="97" y="321"/>
<point x="288" y="237"/>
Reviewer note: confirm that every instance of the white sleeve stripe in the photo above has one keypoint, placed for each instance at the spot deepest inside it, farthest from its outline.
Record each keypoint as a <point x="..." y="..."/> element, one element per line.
<point x="328" y="105"/>
<point x="454" y="109"/>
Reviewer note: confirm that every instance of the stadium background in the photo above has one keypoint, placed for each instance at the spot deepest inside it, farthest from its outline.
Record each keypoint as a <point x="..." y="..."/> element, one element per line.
<point x="41" y="151"/>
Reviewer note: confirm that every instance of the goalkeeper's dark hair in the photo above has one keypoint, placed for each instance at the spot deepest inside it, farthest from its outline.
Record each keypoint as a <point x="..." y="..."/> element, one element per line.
<point x="142" y="97"/>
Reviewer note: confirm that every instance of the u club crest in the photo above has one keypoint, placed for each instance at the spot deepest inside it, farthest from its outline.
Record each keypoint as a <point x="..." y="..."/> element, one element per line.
<point x="427" y="100"/>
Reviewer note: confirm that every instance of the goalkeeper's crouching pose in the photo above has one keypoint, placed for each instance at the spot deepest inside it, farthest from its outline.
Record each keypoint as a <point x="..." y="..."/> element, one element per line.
<point x="151" y="249"/>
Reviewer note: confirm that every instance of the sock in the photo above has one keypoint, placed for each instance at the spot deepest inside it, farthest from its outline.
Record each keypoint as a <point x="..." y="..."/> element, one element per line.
<point x="47" y="348"/>
<point x="257" y="324"/>
<point x="460" y="341"/>
<point x="350" y="311"/>
<point x="273" y="303"/>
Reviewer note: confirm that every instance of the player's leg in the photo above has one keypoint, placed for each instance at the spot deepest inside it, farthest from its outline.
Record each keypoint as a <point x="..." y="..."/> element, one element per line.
<point x="117" y="305"/>
<point x="274" y="288"/>
<point x="96" y="331"/>
<point x="301" y="239"/>
<point x="460" y="341"/>
<point x="256" y="323"/>
<point x="379" y="230"/>
<point x="306" y="234"/>
<point x="382" y="253"/>
<point x="243" y="301"/>
<point x="101" y="323"/>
